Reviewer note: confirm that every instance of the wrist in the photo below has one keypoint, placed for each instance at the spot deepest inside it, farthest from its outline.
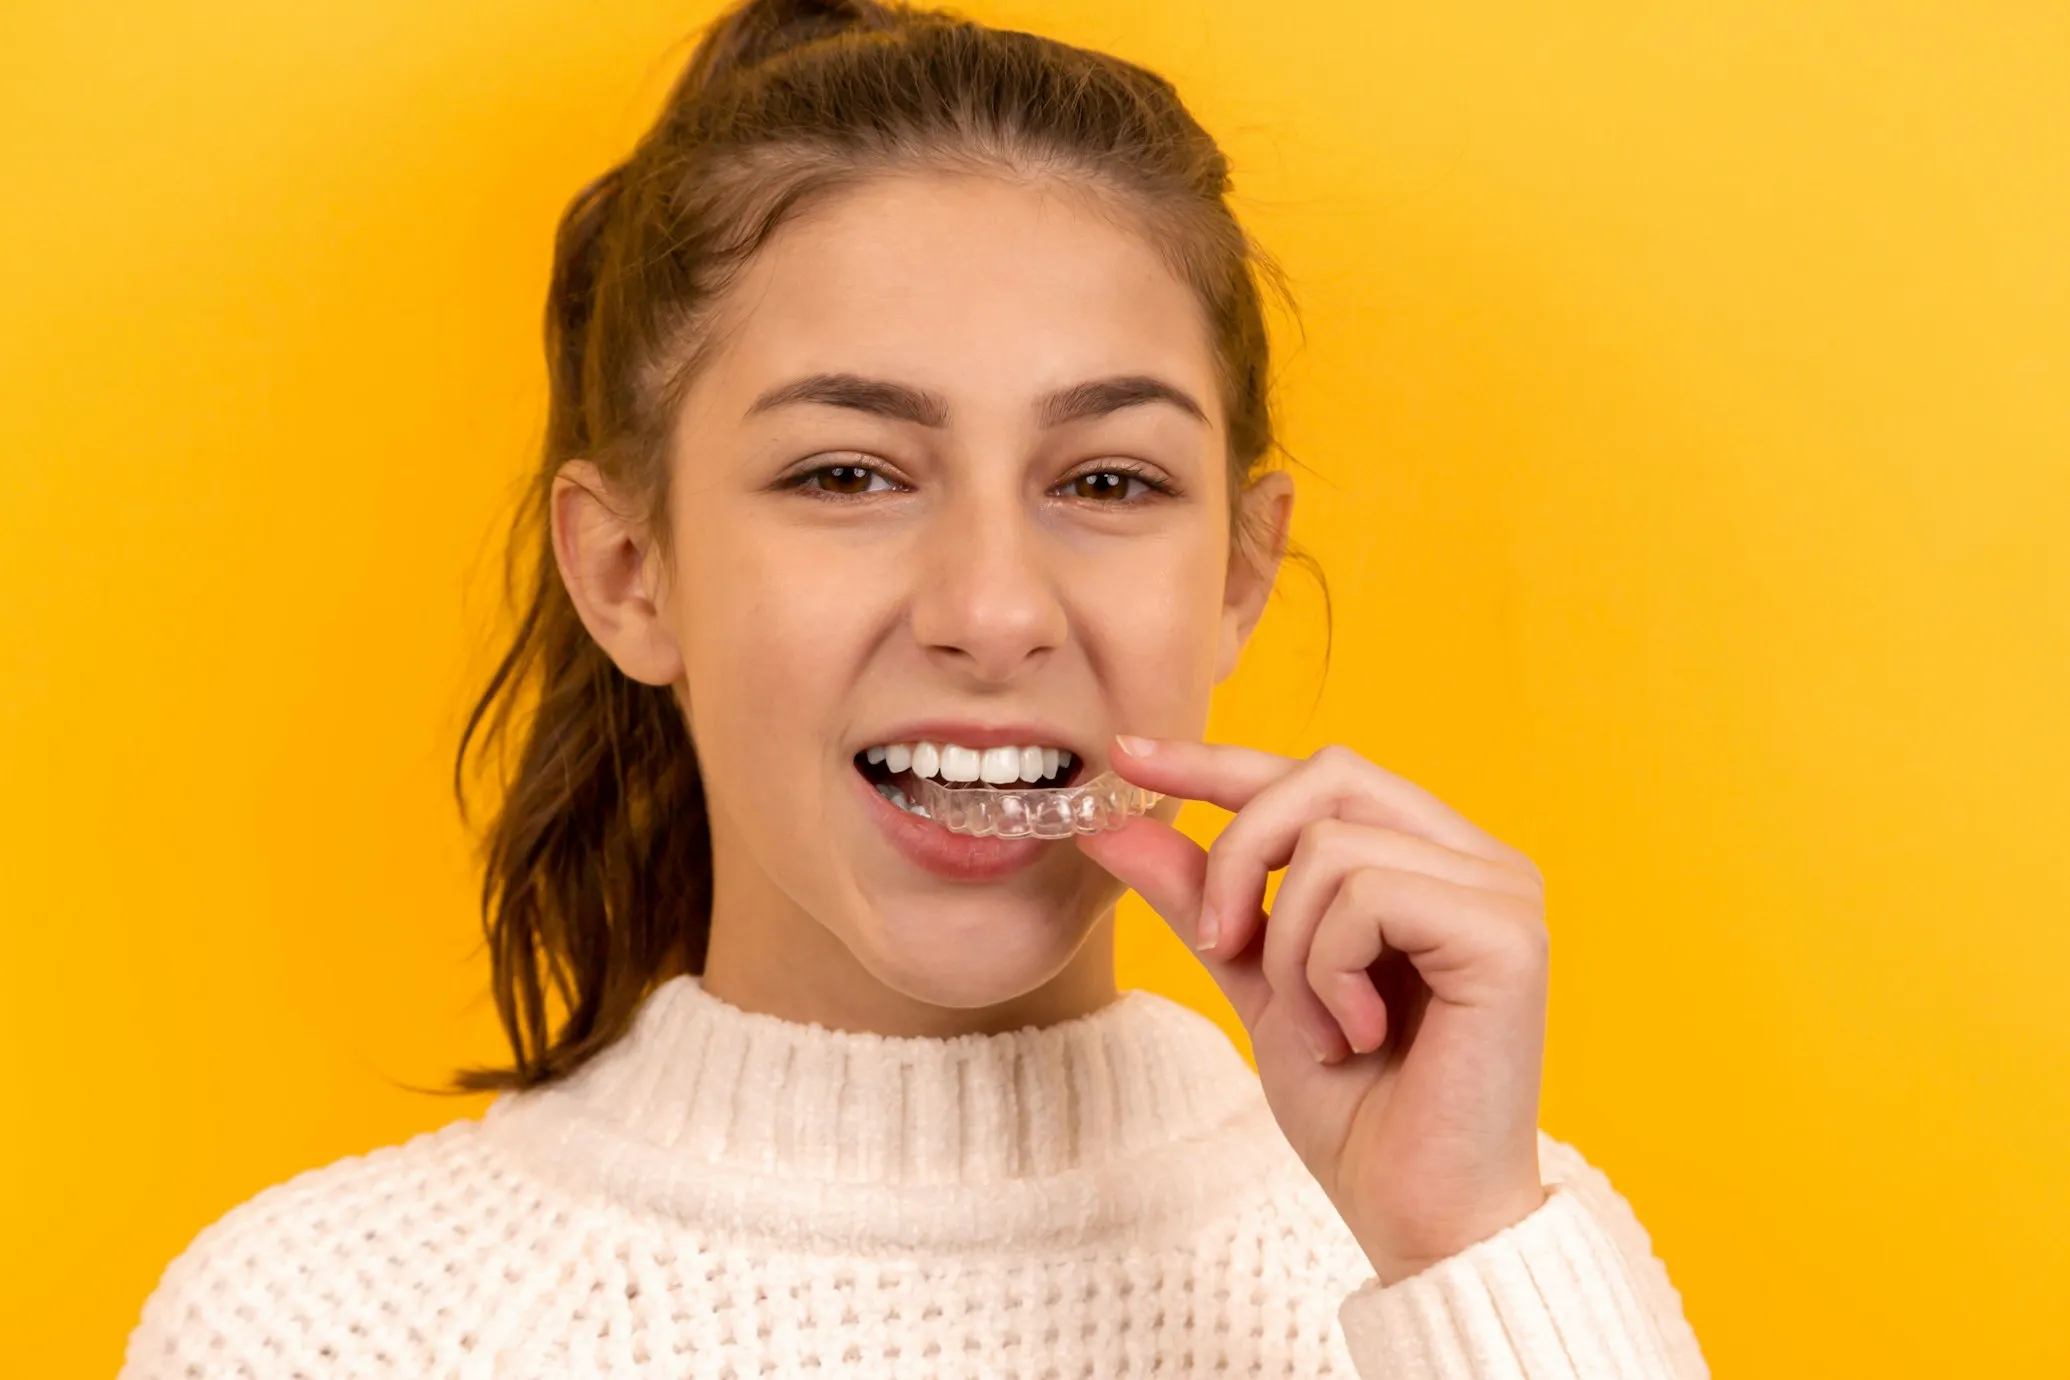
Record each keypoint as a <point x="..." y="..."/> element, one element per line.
<point x="1399" y="1254"/>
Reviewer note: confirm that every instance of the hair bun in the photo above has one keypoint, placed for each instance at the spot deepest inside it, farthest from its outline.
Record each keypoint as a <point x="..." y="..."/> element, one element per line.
<point x="758" y="30"/>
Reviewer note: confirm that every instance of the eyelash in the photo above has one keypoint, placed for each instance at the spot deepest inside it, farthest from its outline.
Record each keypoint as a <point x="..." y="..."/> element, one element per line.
<point x="803" y="481"/>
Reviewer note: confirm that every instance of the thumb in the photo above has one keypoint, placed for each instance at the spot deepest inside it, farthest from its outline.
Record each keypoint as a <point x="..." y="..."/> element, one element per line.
<point x="1167" y="870"/>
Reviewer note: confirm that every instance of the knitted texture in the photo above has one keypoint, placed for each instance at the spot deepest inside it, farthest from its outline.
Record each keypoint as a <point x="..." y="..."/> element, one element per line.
<point x="723" y="1194"/>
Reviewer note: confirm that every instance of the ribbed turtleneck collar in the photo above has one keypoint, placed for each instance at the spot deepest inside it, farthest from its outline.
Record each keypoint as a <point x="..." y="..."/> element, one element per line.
<point x="707" y="1113"/>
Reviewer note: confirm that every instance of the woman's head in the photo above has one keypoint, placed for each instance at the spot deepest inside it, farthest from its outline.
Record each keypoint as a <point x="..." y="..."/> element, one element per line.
<point x="909" y="384"/>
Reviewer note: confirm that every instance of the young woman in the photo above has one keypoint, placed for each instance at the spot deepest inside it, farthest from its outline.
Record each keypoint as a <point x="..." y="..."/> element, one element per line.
<point x="909" y="418"/>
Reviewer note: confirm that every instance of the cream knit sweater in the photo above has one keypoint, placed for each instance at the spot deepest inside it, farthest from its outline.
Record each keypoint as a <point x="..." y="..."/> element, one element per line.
<point x="722" y="1194"/>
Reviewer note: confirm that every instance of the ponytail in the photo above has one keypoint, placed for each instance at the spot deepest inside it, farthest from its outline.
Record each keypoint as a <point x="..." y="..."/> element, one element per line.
<point x="597" y="869"/>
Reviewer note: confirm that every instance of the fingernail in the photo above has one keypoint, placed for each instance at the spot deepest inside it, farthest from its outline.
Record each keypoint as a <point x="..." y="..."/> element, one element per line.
<point x="1206" y="929"/>
<point x="1135" y="747"/>
<point x="1315" y="1046"/>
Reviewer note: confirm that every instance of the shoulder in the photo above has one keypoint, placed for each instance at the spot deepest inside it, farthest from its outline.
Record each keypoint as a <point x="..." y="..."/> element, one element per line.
<point x="339" y="1262"/>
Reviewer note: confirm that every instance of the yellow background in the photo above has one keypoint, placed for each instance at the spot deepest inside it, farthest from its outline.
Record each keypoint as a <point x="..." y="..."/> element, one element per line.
<point x="1684" y="389"/>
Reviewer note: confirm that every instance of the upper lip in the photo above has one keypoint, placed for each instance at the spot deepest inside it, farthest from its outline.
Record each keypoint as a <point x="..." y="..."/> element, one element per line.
<point x="974" y="735"/>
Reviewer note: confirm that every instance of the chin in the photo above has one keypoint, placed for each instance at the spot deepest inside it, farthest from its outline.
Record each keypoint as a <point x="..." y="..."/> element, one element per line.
<point x="975" y="954"/>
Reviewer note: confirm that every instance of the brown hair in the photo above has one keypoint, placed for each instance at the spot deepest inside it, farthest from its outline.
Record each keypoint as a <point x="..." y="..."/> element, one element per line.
<point x="597" y="864"/>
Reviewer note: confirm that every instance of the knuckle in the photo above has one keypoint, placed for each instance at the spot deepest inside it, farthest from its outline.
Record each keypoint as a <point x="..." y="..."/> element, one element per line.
<point x="1366" y="889"/>
<point x="1228" y="843"/>
<point x="1323" y="840"/>
<point x="1334" y="755"/>
<point x="1320" y="973"/>
<point x="1528" y="949"/>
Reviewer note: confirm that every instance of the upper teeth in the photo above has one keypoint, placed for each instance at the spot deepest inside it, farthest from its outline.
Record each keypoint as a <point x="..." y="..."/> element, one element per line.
<point x="997" y="766"/>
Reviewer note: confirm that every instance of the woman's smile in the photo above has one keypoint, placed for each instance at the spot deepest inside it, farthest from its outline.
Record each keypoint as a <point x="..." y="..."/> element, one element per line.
<point x="967" y="754"/>
<point x="930" y="847"/>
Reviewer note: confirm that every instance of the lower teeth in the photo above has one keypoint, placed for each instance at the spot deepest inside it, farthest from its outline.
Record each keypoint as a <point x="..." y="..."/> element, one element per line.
<point x="898" y="798"/>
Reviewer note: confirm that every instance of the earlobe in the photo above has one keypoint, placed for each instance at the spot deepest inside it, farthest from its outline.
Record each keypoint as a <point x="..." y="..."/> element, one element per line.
<point x="1258" y="543"/>
<point x="608" y="566"/>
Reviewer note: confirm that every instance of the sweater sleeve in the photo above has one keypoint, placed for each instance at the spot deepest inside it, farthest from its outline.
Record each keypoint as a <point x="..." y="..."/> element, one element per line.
<point x="1572" y="1292"/>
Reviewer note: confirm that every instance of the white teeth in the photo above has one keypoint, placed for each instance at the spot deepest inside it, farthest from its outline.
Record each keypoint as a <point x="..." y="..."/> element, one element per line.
<point x="995" y="766"/>
<point x="898" y="798"/>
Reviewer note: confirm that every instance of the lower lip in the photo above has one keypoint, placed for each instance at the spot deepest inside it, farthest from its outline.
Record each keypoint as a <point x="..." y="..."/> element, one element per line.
<point x="959" y="857"/>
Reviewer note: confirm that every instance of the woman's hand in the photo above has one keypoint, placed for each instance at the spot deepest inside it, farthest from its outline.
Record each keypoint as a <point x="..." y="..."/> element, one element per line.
<point x="1395" y="997"/>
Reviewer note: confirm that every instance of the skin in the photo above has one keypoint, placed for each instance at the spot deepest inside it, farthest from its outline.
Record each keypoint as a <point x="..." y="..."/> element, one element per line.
<point x="978" y="565"/>
<point x="1395" y="1001"/>
<point x="800" y="625"/>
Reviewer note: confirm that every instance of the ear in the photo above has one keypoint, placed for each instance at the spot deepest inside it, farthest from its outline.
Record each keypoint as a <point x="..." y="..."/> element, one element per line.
<point x="612" y="571"/>
<point x="1258" y="527"/>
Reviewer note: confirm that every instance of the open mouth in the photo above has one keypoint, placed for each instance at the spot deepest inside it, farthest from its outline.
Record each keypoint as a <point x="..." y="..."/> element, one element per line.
<point x="896" y="769"/>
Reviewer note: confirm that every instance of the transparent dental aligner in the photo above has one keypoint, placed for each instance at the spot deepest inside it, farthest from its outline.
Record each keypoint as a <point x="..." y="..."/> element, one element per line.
<point x="1055" y="812"/>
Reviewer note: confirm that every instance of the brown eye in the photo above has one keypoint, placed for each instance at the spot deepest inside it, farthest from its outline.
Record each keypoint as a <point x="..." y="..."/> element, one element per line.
<point x="1103" y="484"/>
<point x="844" y="479"/>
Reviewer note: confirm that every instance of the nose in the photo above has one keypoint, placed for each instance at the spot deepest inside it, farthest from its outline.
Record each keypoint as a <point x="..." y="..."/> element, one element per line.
<point x="986" y="606"/>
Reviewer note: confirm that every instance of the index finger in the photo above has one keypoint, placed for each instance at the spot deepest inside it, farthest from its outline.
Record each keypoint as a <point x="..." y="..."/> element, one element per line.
<point x="1347" y="785"/>
<point x="1223" y="774"/>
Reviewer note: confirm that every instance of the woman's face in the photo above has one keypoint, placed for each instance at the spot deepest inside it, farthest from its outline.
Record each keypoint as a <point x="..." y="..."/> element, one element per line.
<point x="954" y="474"/>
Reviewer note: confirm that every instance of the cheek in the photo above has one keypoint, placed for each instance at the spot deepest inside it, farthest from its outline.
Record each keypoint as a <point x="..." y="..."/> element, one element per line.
<point x="770" y="646"/>
<point x="1152" y="630"/>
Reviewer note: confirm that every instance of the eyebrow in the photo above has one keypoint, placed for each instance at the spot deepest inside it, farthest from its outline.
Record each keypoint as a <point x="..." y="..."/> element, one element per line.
<point x="905" y="403"/>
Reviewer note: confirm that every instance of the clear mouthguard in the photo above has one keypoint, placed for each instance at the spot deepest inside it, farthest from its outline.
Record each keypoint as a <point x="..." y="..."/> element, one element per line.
<point x="1056" y="812"/>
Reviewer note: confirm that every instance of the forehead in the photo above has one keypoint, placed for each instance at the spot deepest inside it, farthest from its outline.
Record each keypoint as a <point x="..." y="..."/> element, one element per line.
<point x="978" y="287"/>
